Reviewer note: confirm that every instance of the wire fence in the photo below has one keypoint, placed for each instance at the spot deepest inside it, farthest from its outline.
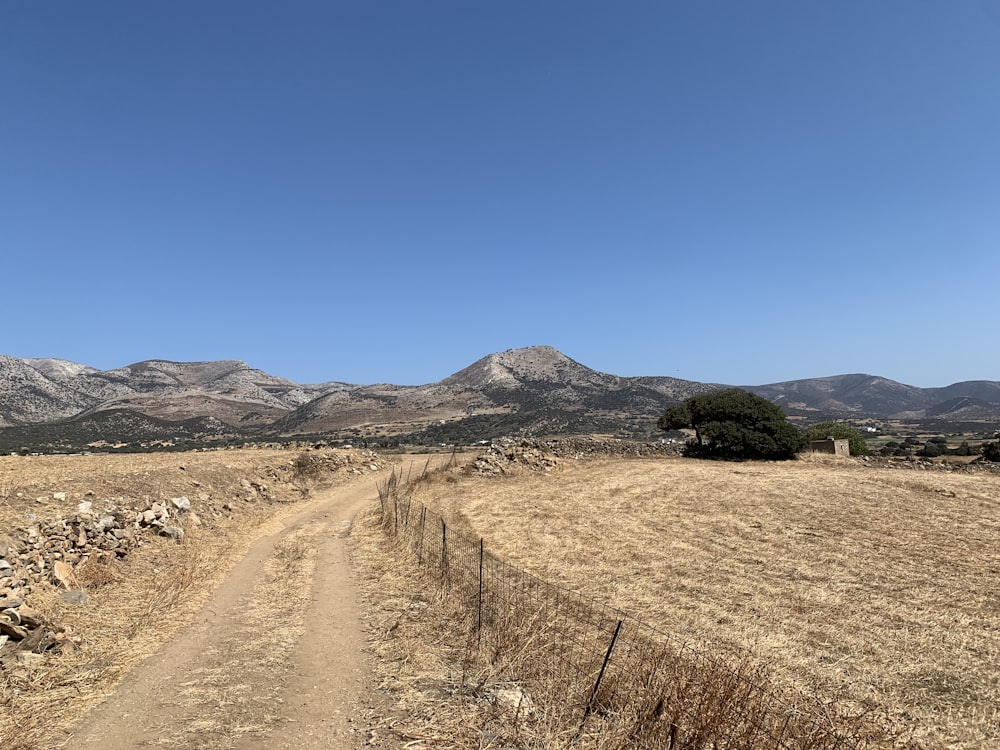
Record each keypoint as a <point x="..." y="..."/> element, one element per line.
<point x="603" y="671"/>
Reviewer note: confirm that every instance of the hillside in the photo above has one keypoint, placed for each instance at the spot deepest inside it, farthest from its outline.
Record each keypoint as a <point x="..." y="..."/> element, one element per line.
<point x="533" y="390"/>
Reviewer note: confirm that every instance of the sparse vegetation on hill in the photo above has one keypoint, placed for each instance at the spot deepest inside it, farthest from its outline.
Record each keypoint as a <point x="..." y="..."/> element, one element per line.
<point x="538" y="390"/>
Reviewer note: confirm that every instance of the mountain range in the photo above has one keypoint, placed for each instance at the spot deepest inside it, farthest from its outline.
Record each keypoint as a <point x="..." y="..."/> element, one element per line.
<point x="536" y="389"/>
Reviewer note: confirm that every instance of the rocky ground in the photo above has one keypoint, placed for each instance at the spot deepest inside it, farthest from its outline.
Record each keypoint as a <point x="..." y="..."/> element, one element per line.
<point x="510" y="455"/>
<point x="79" y="532"/>
<point x="88" y="542"/>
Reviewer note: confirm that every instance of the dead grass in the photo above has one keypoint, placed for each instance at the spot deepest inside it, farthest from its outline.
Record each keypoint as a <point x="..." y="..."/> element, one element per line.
<point x="871" y="587"/>
<point x="156" y="592"/>
<point x="135" y="605"/>
<point x="235" y="691"/>
<point x="423" y="645"/>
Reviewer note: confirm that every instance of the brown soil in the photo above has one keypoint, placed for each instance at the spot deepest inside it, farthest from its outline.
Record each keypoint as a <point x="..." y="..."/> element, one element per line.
<point x="274" y="659"/>
<point x="245" y="634"/>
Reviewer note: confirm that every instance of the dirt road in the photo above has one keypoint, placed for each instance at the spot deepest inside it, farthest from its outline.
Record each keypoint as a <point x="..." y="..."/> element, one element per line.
<point x="275" y="659"/>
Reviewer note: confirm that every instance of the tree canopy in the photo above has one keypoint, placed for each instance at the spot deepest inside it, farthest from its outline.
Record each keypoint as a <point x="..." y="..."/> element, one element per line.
<point x="736" y="424"/>
<point x="991" y="451"/>
<point x="838" y="431"/>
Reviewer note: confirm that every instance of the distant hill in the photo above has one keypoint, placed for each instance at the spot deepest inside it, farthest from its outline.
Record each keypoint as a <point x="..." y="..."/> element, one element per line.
<point x="33" y="391"/>
<point x="847" y="396"/>
<point x="108" y="429"/>
<point x="533" y="390"/>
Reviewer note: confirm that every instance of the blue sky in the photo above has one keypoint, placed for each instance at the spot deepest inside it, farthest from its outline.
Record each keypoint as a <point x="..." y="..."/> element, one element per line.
<point x="735" y="192"/>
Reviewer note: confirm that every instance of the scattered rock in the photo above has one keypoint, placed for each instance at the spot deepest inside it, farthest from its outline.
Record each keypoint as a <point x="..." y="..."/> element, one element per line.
<point x="518" y="454"/>
<point x="29" y="658"/>
<point x="14" y="632"/>
<point x="515" y="699"/>
<point x="174" y="532"/>
<point x="181" y="503"/>
<point x="46" y="551"/>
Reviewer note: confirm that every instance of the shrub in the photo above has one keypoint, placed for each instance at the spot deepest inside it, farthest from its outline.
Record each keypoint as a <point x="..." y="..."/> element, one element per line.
<point x="931" y="450"/>
<point x="991" y="451"/>
<point x="736" y="424"/>
<point x="964" y="449"/>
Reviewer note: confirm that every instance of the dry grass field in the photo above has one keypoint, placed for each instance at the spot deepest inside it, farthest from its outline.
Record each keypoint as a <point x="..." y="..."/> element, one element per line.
<point x="875" y="588"/>
<point x="136" y="604"/>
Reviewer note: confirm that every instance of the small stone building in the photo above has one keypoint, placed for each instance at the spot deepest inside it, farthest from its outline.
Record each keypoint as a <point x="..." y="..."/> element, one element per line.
<point x="832" y="446"/>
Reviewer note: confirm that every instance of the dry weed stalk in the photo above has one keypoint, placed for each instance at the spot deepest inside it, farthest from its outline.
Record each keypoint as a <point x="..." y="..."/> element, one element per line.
<point x="134" y="604"/>
<point x="869" y="587"/>
<point x="551" y="641"/>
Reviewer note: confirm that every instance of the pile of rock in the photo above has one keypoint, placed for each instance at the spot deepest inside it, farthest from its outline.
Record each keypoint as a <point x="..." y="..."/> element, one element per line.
<point x="355" y="462"/>
<point x="25" y="636"/>
<point x="509" y="455"/>
<point x="47" y="552"/>
<point x="582" y="447"/>
<point x="66" y="551"/>
<point x="919" y="463"/>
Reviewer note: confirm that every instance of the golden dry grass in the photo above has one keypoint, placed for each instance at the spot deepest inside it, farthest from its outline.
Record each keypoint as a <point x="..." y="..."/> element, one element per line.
<point x="424" y="647"/>
<point x="872" y="587"/>
<point x="135" y="605"/>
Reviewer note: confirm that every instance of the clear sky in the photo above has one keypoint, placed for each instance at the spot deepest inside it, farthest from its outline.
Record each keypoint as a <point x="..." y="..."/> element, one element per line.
<point x="386" y="191"/>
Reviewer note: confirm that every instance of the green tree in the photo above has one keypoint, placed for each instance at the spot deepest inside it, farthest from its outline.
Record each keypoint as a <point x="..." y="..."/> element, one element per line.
<point x="676" y="418"/>
<point x="931" y="449"/>
<point x="734" y="423"/>
<point x="964" y="449"/>
<point x="838" y="431"/>
<point x="991" y="451"/>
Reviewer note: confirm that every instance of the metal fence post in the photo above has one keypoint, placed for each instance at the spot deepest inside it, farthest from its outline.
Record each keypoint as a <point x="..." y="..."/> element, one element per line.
<point x="444" y="550"/>
<point x="479" y="613"/>
<point x="600" y="676"/>
<point x="420" y="539"/>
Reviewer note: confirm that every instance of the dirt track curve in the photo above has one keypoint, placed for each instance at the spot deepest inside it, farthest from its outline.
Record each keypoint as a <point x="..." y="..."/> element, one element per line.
<point x="275" y="659"/>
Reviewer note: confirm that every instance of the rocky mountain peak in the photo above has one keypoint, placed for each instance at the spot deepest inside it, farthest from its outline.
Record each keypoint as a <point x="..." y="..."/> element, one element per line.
<point x="510" y="368"/>
<point x="58" y="369"/>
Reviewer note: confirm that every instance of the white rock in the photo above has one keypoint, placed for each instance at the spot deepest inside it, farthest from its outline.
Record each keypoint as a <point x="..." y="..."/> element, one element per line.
<point x="59" y="496"/>
<point x="84" y="508"/>
<point x="181" y="503"/>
